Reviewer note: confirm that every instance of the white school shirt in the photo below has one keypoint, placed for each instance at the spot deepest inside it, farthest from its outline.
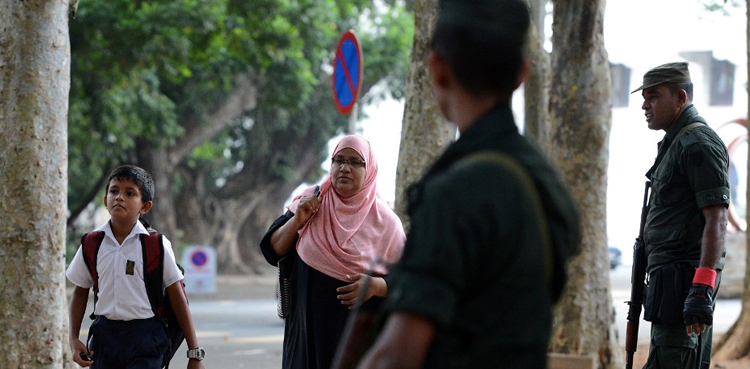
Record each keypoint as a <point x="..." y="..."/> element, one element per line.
<point x="122" y="296"/>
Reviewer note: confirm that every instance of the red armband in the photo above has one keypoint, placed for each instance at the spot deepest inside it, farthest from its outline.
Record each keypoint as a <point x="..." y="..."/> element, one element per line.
<point x="705" y="276"/>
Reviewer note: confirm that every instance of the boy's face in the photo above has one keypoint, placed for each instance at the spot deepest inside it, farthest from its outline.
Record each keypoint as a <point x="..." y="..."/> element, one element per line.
<point x="123" y="201"/>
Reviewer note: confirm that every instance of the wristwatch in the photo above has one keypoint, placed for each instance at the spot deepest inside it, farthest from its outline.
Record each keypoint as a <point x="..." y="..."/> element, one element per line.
<point x="197" y="353"/>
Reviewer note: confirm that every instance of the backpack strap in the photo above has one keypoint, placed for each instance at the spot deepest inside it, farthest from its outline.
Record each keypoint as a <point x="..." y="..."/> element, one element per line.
<point x="90" y="243"/>
<point x="153" y="271"/>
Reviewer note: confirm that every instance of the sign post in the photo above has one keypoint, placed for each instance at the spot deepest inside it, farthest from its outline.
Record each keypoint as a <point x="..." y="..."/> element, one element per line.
<point x="347" y="72"/>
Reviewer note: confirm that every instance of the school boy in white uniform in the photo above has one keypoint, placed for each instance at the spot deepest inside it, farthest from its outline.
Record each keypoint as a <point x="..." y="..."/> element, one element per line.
<point x="126" y="333"/>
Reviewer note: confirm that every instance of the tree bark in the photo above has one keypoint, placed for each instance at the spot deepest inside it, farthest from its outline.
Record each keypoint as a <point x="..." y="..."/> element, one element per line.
<point x="34" y="86"/>
<point x="580" y="116"/>
<point x="735" y="344"/>
<point x="536" y="88"/>
<point x="424" y="133"/>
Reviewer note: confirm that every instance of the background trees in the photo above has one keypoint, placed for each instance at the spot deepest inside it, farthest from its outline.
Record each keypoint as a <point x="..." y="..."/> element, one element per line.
<point x="226" y="103"/>
<point x="34" y="82"/>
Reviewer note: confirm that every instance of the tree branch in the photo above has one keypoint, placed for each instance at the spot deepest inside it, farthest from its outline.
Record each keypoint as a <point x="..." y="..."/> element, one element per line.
<point x="242" y="99"/>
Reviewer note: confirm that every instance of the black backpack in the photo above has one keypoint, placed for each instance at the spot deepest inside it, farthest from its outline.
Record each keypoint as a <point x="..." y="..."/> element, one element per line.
<point x="153" y="270"/>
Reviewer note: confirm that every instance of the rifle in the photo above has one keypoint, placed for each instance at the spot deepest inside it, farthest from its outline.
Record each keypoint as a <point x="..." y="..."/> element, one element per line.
<point x="637" y="286"/>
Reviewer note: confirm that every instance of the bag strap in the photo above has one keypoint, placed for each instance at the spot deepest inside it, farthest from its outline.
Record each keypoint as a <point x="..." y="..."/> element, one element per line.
<point x="153" y="271"/>
<point x="523" y="176"/>
<point x="90" y="243"/>
<point x="687" y="127"/>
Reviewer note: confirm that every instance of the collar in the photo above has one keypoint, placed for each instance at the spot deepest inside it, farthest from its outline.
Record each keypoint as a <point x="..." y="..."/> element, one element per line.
<point x="138" y="229"/>
<point x="484" y="133"/>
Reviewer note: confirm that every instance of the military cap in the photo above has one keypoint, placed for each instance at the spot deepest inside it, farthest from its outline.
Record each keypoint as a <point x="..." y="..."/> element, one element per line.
<point x="666" y="73"/>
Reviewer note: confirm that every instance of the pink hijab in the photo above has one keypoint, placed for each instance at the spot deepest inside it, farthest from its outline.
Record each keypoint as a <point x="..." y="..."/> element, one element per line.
<point x="347" y="233"/>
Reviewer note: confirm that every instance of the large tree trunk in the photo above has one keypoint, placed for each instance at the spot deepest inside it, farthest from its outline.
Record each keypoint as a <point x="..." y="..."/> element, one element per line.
<point x="34" y="86"/>
<point x="580" y="115"/>
<point x="735" y="344"/>
<point x="424" y="133"/>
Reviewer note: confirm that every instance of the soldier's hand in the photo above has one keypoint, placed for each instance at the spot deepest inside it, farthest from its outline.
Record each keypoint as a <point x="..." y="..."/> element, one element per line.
<point x="698" y="311"/>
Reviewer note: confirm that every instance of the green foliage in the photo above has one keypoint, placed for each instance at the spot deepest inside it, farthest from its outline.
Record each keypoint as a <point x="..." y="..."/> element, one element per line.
<point x="723" y="6"/>
<point x="146" y="72"/>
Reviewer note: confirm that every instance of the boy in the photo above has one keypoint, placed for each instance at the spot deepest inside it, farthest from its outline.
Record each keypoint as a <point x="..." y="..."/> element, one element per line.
<point x="126" y="334"/>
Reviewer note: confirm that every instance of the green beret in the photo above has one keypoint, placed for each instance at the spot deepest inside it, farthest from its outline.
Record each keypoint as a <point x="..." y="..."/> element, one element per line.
<point x="666" y="73"/>
<point x="505" y="18"/>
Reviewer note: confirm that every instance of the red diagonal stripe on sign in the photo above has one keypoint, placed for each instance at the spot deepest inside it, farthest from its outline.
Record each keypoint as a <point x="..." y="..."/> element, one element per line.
<point x="346" y="73"/>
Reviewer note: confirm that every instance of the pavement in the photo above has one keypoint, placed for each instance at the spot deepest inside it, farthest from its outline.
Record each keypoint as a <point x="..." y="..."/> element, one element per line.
<point x="239" y="328"/>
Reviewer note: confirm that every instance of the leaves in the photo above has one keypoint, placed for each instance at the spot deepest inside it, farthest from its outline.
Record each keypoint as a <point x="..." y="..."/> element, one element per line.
<point x="153" y="72"/>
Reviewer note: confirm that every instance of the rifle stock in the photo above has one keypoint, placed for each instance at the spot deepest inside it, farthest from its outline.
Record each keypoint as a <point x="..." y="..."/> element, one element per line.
<point x="637" y="287"/>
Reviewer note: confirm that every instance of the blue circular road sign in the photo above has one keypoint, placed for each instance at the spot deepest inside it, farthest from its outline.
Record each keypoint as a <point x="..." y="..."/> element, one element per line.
<point x="347" y="72"/>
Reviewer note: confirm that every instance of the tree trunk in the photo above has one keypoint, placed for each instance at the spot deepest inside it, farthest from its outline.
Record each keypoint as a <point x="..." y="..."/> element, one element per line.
<point x="162" y="163"/>
<point x="235" y="218"/>
<point x="228" y="224"/>
<point x="735" y="344"/>
<point x="34" y="85"/>
<point x="536" y="90"/>
<point x="162" y="215"/>
<point x="424" y="133"/>
<point x="580" y="116"/>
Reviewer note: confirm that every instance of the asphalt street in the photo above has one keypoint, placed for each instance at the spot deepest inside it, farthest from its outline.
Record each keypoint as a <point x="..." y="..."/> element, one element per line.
<point x="239" y="328"/>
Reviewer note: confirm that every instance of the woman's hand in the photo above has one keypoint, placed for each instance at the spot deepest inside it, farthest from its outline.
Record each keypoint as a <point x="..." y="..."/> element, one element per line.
<point x="348" y="294"/>
<point x="307" y="207"/>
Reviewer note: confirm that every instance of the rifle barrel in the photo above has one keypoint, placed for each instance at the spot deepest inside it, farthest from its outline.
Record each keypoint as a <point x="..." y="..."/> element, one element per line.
<point x="637" y="286"/>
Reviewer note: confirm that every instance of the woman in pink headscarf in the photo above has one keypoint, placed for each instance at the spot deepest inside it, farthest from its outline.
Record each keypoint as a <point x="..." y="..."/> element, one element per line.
<point x="333" y="238"/>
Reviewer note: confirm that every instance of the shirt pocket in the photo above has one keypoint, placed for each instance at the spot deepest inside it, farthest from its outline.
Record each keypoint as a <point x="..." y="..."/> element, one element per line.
<point x="664" y="179"/>
<point x="668" y="238"/>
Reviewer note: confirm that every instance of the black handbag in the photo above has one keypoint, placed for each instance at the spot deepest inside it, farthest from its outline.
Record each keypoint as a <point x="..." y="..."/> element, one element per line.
<point x="285" y="265"/>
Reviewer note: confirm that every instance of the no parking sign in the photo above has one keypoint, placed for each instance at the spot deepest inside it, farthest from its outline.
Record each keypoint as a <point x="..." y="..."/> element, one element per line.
<point x="199" y="263"/>
<point x="347" y="72"/>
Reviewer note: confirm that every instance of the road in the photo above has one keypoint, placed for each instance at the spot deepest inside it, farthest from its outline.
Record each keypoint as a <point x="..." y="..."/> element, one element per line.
<point x="239" y="328"/>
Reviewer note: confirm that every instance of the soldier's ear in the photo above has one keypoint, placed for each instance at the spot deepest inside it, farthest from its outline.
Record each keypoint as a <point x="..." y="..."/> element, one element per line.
<point x="523" y="73"/>
<point x="439" y="71"/>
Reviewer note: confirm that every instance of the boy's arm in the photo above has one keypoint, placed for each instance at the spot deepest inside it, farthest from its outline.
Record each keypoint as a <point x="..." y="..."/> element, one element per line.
<point x="184" y="319"/>
<point x="77" y="310"/>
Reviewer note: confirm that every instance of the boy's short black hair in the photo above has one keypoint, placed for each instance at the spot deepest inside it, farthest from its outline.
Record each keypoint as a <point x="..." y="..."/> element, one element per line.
<point x="136" y="174"/>
<point x="483" y="41"/>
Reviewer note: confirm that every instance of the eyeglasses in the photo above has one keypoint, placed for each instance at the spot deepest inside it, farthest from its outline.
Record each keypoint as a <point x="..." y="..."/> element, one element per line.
<point x="354" y="163"/>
